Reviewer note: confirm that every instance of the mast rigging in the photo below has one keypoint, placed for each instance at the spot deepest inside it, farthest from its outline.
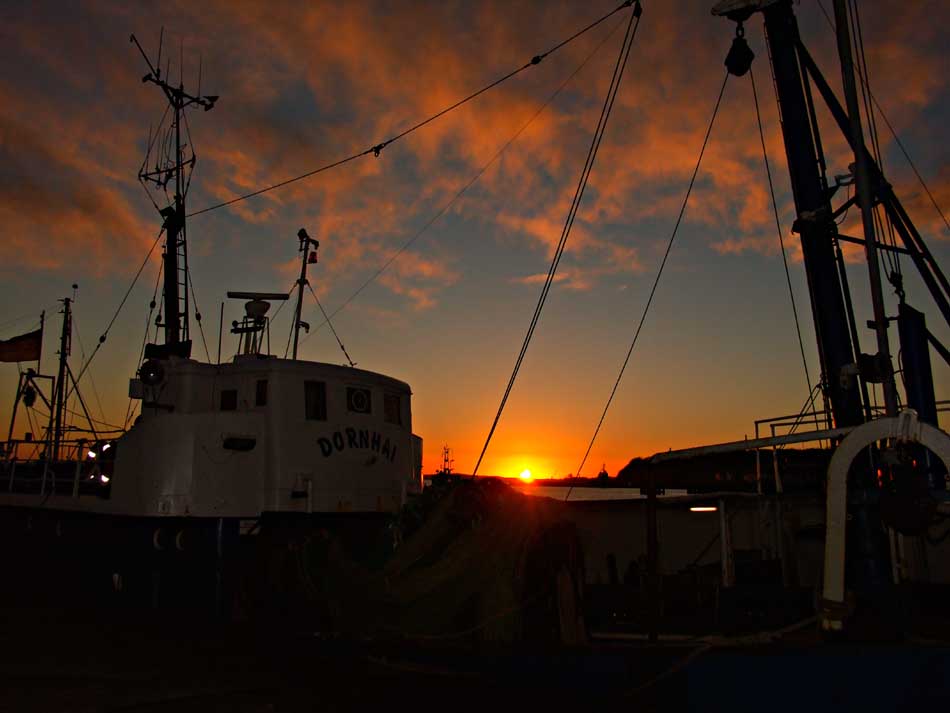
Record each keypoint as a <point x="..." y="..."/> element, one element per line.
<point x="172" y="166"/>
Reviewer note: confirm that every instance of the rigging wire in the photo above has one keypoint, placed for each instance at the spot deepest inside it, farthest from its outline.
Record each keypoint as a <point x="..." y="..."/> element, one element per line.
<point x="24" y="317"/>
<point x="377" y="148"/>
<point x="897" y="140"/>
<point x="293" y="324"/>
<point x="338" y="340"/>
<point x="446" y="206"/>
<point x="656" y="281"/>
<point x="201" y="330"/>
<point x="778" y="228"/>
<point x="910" y="161"/>
<point x="33" y="429"/>
<point x="799" y="419"/>
<point x="92" y="381"/>
<point x="125" y="297"/>
<point x="148" y="323"/>
<point x="883" y="226"/>
<point x="630" y="35"/>
<point x="283" y="302"/>
<point x="98" y="421"/>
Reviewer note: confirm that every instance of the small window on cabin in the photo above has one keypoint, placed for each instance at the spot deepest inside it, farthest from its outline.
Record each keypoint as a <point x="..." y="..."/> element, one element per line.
<point x="358" y="400"/>
<point x="260" y="393"/>
<point x="228" y="399"/>
<point x="315" y="400"/>
<point x="391" y="410"/>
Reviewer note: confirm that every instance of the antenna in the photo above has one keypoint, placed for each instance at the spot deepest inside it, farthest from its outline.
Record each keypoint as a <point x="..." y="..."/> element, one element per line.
<point x="447" y="461"/>
<point x="174" y="161"/>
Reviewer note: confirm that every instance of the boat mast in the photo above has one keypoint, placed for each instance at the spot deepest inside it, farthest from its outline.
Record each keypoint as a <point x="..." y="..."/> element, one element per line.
<point x="305" y="242"/>
<point x="813" y="222"/>
<point x="864" y="196"/>
<point x="59" y="395"/>
<point x="173" y="168"/>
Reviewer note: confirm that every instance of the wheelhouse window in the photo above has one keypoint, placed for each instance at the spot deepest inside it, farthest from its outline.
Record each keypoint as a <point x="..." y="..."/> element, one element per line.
<point x="392" y="412"/>
<point x="315" y="400"/>
<point x="358" y="400"/>
<point x="260" y="393"/>
<point x="228" y="399"/>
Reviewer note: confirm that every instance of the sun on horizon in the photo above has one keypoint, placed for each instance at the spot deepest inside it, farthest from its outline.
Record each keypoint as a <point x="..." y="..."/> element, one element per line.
<point x="526" y="476"/>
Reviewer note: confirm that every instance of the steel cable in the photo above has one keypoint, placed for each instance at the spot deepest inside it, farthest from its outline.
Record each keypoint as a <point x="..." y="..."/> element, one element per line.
<point x="377" y="148"/>
<point x="335" y="335"/>
<point x="656" y="281"/>
<point x="897" y="140"/>
<point x="619" y="67"/>
<point x="781" y="239"/>
<point x="446" y="206"/>
<point x="125" y="297"/>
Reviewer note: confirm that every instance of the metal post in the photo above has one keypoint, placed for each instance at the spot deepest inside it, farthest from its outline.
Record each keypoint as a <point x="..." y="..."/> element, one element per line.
<point x="60" y="395"/>
<point x="220" y="330"/>
<point x="170" y="286"/>
<point x="852" y="327"/>
<point x="305" y="242"/>
<point x="865" y="199"/>
<point x="779" y="488"/>
<point x="16" y="404"/>
<point x="758" y="464"/>
<point x="813" y="212"/>
<point x="42" y="325"/>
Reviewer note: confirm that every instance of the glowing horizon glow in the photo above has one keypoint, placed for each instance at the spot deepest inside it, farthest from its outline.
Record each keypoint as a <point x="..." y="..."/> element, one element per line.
<point x="526" y="476"/>
<point x="490" y="252"/>
<point x="703" y="508"/>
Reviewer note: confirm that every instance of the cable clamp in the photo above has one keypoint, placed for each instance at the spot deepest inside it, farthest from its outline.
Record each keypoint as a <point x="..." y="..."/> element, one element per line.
<point x="377" y="148"/>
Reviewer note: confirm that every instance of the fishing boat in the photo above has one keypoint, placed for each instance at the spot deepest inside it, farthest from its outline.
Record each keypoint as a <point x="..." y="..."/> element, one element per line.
<point x="728" y="536"/>
<point x="217" y="448"/>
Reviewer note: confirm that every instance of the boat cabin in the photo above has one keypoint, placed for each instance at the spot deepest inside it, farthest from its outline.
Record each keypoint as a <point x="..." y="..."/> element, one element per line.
<point x="264" y="434"/>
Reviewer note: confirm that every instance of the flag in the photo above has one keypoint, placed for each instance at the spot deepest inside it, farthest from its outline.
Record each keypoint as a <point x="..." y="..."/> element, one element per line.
<point x="26" y="347"/>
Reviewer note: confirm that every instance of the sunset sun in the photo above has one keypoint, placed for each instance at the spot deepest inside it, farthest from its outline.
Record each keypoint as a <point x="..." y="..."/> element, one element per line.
<point x="526" y="475"/>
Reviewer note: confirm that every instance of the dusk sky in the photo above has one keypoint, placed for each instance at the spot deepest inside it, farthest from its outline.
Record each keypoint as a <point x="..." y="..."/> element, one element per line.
<point x="303" y="84"/>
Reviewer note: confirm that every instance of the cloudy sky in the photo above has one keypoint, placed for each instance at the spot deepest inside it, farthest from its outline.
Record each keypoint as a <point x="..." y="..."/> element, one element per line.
<point x="302" y="84"/>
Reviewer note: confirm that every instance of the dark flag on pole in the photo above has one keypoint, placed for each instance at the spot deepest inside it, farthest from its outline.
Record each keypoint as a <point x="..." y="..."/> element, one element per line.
<point x="26" y="347"/>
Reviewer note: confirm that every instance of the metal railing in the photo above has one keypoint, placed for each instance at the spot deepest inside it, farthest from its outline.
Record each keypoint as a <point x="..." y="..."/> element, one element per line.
<point x="794" y="422"/>
<point x="36" y="471"/>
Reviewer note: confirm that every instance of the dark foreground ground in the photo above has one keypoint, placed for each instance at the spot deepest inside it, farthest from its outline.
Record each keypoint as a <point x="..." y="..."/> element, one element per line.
<point x="51" y="662"/>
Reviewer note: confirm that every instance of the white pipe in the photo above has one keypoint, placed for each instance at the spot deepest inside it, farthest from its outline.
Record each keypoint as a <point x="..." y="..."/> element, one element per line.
<point x="904" y="427"/>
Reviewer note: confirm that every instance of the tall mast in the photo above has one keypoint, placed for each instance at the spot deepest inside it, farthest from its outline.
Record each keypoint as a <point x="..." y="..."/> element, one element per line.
<point x="59" y="397"/>
<point x="305" y="242"/>
<point x="864" y="191"/>
<point x="172" y="166"/>
<point x="814" y="222"/>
